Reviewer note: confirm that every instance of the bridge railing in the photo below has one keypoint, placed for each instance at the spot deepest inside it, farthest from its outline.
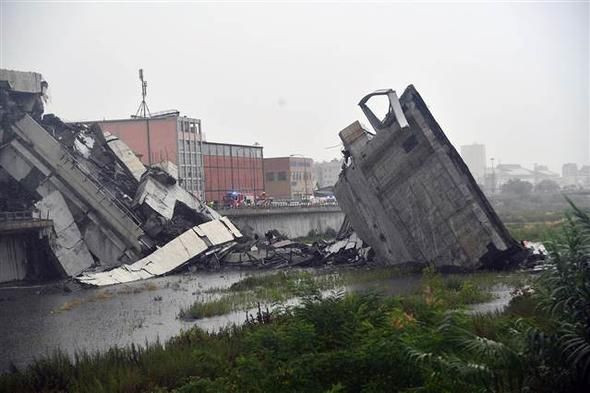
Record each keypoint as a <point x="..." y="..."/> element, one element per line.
<point x="281" y="205"/>
<point x="20" y="215"/>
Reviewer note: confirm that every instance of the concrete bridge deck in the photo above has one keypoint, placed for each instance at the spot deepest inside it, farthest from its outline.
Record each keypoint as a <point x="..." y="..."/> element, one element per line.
<point x="293" y="221"/>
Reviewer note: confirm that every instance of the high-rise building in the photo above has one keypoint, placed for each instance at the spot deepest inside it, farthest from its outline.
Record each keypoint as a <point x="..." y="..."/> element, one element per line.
<point x="475" y="157"/>
<point x="569" y="174"/>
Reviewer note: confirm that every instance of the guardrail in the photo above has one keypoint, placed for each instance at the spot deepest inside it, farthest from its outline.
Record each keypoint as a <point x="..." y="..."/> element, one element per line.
<point x="281" y="205"/>
<point x="20" y="215"/>
<point x="15" y="216"/>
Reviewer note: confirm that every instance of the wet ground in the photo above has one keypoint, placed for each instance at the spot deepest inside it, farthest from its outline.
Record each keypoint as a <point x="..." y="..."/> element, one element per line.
<point x="35" y="321"/>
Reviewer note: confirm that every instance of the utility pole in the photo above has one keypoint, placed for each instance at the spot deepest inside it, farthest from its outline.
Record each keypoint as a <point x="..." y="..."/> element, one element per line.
<point x="493" y="177"/>
<point x="144" y="112"/>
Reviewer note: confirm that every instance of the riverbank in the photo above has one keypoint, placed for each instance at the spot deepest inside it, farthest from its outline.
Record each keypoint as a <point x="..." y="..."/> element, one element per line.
<point x="455" y="291"/>
<point x="339" y="331"/>
<point x="36" y="321"/>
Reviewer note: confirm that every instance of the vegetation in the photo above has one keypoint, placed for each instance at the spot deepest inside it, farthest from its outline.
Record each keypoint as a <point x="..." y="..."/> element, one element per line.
<point x="517" y="187"/>
<point x="539" y="231"/>
<point x="282" y="286"/>
<point x="547" y="186"/>
<point x="271" y="288"/>
<point x="424" y="342"/>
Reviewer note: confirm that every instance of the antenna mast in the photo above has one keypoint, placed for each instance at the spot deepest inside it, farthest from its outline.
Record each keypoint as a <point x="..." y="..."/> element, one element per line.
<point x="143" y="110"/>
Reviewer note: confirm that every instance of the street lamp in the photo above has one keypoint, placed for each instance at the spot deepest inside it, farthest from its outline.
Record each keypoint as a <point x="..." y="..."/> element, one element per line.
<point x="493" y="176"/>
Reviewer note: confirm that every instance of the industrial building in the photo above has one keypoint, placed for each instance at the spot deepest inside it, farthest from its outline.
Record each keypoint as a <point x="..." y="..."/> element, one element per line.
<point x="503" y="173"/>
<point x="288" y="177"/>
<point x="232" y="168"/>
<point x="165" y="137"/>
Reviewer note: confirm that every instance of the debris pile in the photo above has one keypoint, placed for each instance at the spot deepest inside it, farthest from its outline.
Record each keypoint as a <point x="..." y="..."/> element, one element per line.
<point x="410" y="196"/>
<point x="107" y="208"/>
<point x="277" y="251"/>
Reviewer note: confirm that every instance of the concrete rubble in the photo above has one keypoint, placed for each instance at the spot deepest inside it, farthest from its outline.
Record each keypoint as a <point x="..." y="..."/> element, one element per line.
<point x="209" y="237"/>
<point x="409" y="195"/>
<point x="106" y="207"/>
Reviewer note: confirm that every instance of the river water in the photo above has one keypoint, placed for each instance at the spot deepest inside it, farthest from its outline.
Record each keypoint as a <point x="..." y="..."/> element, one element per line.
<point x="35" y="321"/>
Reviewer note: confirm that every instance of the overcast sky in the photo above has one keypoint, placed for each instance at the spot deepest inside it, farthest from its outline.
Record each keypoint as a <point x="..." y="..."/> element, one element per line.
<point x="514" y="77"/>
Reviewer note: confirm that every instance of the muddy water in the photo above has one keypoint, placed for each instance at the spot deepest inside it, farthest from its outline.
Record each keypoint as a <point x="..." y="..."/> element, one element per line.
<point x="38" y="320"/>
<point x="34" y="321"/>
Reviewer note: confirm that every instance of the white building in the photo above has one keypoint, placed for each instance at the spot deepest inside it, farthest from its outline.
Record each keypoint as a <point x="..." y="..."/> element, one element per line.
<point x="326" y="172"/>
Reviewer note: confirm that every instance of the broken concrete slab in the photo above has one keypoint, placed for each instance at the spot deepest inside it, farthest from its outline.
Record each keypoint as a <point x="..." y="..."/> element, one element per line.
<point x="210" y="236"/>
<point x="169" y="167"/>
<point x="68" y="245"/>
<point x="162" y="199"/>
<point x="125" y="155"/>
<point x="21" y="82"/>
<point x="409" y="195"/>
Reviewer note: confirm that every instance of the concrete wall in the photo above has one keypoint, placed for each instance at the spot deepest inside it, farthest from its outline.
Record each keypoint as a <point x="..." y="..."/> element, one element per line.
<point x="134" y="133"/>
<point x="293" y="222"/>
<point x="13" y="258"/>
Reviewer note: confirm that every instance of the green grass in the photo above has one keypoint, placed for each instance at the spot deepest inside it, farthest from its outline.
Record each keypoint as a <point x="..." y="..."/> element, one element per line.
<point x="539" y="231"/>
<point x="266" y="289"/>
<point x="454" y="290"/>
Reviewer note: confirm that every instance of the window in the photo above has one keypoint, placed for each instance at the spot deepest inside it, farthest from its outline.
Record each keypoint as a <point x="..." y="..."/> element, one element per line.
<point x="282" y="176"/>
<point x="270" y="176"/>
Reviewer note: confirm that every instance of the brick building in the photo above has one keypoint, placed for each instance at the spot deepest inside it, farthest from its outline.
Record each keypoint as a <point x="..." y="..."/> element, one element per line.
<point x="168" y="137"/>
<point x="288" y="177"/>
<point x="232" y="168"/>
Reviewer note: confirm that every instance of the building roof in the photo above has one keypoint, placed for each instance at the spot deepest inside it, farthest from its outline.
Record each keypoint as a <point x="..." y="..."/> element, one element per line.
<point x="155" y="116"/>
<point x="288" y="158"/>
<point x="232" y="144"/>
<point x="513" y="170"/>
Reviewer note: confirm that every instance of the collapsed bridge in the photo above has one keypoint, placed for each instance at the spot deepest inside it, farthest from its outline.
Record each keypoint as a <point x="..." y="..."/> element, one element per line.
<point x="96" y="213"/>
<point x="410" y="196"/>
<point x="105" y="207"/>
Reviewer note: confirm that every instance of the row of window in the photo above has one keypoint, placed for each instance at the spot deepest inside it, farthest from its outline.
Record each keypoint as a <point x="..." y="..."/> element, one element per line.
<point x="189" y="126"/>
<point x="188" y="158"/>
<point x="188" y="145"/>
<point x="189" y="172"/>
<point x="233" y="151"/>
<point x="278" y="176"/>
<point x="305" y="163"/>
<point x="300" y="176"/>
<point x="282" y="176"/>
